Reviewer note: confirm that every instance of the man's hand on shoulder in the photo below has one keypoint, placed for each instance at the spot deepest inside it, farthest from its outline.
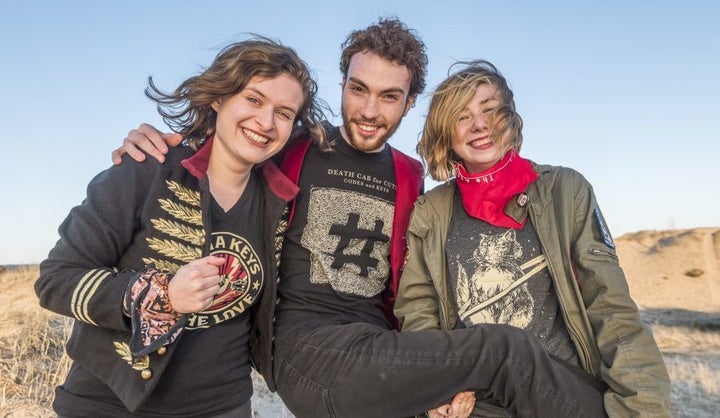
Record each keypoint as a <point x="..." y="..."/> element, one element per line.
<point x="146" y="139"/>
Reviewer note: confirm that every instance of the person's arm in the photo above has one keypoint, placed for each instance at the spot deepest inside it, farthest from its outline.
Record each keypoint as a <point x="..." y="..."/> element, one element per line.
<point x="631" y="363"/>
<point x="79" y="278"/>
<point x="418" y="303"/>
<point x="158" y="305"/>
<point x="146" y="139"/>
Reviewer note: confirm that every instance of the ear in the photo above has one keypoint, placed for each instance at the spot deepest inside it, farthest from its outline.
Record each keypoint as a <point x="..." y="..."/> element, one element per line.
<point x="215" y="105"/>
<point x="342" y="83"/>
<point x="409" y="104"/>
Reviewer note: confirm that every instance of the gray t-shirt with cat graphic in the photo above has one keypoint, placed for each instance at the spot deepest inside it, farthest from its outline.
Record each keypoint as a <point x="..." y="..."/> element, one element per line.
<point x="500" y="276"/>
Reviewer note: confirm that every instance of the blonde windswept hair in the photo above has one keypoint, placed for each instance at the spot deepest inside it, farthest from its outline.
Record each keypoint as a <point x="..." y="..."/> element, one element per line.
<point x="449" y="100"/>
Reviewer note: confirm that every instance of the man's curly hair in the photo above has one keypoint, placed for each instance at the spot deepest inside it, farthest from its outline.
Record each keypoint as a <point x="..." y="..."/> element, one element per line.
<point x="392" y="40"/>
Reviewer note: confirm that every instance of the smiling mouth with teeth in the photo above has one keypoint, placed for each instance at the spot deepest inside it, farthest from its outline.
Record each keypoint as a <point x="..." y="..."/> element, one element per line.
<point x="480" y="142"/>
<point x="255" y="137"/>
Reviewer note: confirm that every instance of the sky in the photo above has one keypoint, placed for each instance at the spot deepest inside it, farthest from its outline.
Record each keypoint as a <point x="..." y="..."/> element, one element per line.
<point x="625" y="92"/>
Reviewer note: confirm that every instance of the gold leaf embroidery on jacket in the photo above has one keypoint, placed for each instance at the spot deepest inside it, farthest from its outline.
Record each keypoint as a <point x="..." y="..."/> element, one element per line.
<point x="123" y="349"/>
<point x="161" y="264"/>
<point x="182" y="229"/>
<point x="84" y="291"/>
<point x="186" y="195"/>
<point x="194" y="236"/>
<point x="280" y="234"/>
<point x="183" y="213"/>
<point x="174" y="249"/>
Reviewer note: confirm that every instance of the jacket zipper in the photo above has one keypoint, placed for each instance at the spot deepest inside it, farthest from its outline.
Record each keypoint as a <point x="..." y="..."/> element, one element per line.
<point x="443" y="314"/>
<point x="583" y="353"/>
<point x="598" y="251"/>
<point x="444" y="323"/>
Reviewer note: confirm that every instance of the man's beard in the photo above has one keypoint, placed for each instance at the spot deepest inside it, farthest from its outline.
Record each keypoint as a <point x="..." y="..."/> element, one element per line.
<point x="366" y="146"/>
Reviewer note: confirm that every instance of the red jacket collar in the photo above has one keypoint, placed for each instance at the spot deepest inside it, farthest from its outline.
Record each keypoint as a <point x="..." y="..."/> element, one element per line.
<point x="197" y="165"/>
<point x="277" y="182"/>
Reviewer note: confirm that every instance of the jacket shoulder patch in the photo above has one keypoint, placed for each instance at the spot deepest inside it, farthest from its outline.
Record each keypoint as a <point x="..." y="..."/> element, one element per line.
<point x="603" y="229"/>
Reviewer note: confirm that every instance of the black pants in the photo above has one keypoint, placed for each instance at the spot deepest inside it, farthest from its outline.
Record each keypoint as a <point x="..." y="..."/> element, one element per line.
<point x="361" y="370"/>
<point x="243" y="411"/>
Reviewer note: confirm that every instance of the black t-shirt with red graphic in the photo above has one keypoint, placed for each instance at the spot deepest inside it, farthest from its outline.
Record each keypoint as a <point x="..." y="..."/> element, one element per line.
<point x="210" y="368"/>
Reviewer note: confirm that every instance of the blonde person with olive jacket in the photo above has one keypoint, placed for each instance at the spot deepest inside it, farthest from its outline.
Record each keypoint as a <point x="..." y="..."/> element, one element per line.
<point x="511" y="242"/>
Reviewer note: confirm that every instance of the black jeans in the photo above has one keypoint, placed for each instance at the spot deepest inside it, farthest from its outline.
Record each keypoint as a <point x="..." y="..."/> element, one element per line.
<point x="243" y="411"/>
<point x="361" y="370"/>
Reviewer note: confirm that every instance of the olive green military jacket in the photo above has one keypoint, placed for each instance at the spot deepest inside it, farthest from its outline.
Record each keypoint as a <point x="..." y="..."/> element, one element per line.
<point x="603" y="321"/>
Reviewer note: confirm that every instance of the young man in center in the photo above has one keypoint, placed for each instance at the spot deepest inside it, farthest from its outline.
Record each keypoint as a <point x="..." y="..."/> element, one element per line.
<point x="336" y="353"/>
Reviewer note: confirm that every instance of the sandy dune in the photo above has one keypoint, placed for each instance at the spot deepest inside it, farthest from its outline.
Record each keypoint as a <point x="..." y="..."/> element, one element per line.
<point x="661" y="267"/>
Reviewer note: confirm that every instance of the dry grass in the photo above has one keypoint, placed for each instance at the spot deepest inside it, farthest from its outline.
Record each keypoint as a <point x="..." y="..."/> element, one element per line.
<point x="692" y="357"/>
<point x="32" y="359"/>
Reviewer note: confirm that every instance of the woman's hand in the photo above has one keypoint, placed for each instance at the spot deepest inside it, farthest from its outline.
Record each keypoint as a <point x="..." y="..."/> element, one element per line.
<point x="195" y="284"/>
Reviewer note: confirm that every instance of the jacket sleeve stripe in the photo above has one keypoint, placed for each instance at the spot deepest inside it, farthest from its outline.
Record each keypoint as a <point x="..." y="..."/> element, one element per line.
<point x="84" y="292"/>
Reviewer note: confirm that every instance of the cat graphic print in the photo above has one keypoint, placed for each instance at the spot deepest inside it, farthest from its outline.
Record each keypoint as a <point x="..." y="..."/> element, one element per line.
<point x="496" y="291"/>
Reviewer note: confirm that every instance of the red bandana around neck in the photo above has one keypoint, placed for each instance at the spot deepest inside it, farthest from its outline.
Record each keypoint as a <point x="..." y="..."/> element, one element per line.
<point x="485" y="194"/>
